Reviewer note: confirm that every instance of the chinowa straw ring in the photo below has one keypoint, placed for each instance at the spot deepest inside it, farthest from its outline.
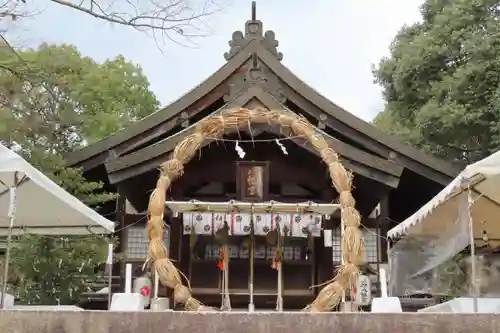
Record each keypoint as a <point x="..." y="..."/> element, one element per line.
<point x="232" y="121"/>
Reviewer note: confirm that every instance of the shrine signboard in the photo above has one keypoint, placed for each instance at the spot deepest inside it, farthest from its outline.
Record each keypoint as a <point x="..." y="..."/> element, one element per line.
<point x="252" y="183"/>
<point x="363" y="291"/>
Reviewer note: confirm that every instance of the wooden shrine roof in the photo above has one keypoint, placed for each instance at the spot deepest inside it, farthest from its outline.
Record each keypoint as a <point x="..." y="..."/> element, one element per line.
<point x="380" y="152"/>
<point x="355" y="159"/>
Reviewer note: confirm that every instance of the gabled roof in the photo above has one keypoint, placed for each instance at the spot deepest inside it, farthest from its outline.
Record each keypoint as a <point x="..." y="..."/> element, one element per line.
<point x="157" y="119"/>
<point x="262" y="47"/>
<point x="150" y="157"/>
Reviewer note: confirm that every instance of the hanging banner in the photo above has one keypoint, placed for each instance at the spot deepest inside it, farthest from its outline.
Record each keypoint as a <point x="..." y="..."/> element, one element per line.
<point x="200" y="222"/>
<point x="284" y="220"/>
<point x="219" y="219"/>
<point x="363" y="291"/>
<point x="262" y="223"/>
<point x="315" y="225"/>
<point x="240" y="224"/>
<point x="293" y="225"/>
<point x="305" y="223"/>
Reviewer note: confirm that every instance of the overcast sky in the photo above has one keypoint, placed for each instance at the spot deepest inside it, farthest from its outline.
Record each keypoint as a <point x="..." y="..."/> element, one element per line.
<point x="330" y="44"/>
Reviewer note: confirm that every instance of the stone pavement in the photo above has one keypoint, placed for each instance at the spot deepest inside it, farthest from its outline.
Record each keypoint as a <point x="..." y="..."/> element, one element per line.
<point x="158" y="322"/>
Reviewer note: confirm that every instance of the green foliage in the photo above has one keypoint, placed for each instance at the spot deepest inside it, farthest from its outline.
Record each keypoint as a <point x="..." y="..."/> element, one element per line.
<point x="53" y="96"/>
<point x="49" y="270"/>
<point x="441" y="81"/>
<point x="52" y="101"/>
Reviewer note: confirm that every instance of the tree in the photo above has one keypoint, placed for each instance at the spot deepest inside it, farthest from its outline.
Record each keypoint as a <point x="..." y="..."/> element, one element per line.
<point x="60" y="101"/>
<point x="441" y="80"/>
<point x="63" y="99"/>
<point x="56" y="270"/>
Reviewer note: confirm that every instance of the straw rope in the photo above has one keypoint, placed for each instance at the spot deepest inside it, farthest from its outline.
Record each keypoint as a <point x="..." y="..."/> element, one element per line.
<point x="231" y="121"/>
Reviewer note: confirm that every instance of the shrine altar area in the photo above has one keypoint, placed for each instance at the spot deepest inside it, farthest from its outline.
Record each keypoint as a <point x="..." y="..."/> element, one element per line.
<point x="264" y="245"/>
<point x="285" y="322"/>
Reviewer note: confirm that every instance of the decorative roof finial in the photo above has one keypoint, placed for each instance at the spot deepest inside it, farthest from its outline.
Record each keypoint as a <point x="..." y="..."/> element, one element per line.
<point x="253" y="31"/>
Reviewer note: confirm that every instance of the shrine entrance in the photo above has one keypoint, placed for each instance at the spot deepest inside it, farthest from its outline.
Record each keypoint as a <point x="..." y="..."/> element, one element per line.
<point x="235" y="228"/>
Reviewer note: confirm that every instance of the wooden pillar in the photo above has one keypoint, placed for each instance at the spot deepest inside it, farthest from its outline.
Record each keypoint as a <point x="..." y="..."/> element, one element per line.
<point x="121" y="235"/>
<point x="385" y="224"/>
<point x="326" y="269"/>
<point x="175" y="242"/>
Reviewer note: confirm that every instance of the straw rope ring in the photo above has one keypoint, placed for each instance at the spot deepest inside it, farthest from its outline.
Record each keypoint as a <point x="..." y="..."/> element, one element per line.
<point x="352" y="243"/>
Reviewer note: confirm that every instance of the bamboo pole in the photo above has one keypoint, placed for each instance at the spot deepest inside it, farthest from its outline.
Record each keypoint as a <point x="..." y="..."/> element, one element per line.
<point x="251" y="305"/>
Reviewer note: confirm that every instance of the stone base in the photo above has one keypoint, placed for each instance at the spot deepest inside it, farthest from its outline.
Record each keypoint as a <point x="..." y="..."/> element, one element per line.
<point x="349" y="307"/>
<point x="258" y="322"/>
<point x="126" y="302"/>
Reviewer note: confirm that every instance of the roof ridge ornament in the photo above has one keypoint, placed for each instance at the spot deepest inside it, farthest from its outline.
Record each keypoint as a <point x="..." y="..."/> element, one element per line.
<point x="253" y="31"/>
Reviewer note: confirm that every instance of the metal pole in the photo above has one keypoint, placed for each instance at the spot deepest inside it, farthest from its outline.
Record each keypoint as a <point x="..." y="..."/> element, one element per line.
<point x="227" y="301"/>
<point x="342" y="226"/>
<point x="6" y="266"/>
<point x="223" y="286"/>
<point x="11" y="214"/>
<point x="475" y="291"/>
<point x="251" y="305"/>
<point x="388" y="265"/>
<point x="110" y="280"/>
<point x="109" y="263"/>
<point x="279" y="306"/>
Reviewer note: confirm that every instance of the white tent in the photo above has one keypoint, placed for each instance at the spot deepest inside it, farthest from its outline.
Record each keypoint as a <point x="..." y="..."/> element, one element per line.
<point x="31" y="202"/>
<point x="41" y="206"/>
<point x="481" y="181"/>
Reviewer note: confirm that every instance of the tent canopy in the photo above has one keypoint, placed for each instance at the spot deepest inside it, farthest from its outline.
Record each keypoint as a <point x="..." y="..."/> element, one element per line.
<point x="434" y="218"/>
<point x="41" y="206"/>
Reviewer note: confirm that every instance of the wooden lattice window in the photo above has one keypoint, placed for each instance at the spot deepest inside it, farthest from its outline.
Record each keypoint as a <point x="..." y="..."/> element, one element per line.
<point x="371" y="239"/>
<point x="137" y="243"/>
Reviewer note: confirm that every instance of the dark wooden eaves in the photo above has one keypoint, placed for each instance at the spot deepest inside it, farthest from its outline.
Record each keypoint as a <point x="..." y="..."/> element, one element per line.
<point x="149" y="158"/>
<point x="361" y="131"/>
<point x="156" y="123"/>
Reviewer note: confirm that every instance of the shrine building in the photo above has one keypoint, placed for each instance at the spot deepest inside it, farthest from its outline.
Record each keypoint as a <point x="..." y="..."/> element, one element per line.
<point x="391" y="180"/>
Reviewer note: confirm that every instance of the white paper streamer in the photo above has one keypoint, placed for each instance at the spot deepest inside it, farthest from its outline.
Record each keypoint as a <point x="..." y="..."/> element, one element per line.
<point x="283" y="148"/>
<point x="239" y="150"/>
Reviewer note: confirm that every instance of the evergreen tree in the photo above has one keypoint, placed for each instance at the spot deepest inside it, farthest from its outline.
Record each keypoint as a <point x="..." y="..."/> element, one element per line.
<point x="441" y="81"/>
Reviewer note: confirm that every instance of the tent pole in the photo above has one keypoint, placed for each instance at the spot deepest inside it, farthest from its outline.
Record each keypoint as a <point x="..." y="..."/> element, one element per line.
<point x="11" y="214"/>
<point x="342" y="226"/>
<point x="7" y="259"/>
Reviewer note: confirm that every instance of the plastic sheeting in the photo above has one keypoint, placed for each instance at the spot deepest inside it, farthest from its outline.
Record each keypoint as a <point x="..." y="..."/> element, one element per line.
<point x="429" y="263"/>
<point x="482" y="178"/>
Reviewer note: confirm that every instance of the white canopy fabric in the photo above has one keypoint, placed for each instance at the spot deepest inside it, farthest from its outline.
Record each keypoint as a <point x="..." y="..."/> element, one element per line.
<point x="483" y="179"/>
<point x="41" y="206"/>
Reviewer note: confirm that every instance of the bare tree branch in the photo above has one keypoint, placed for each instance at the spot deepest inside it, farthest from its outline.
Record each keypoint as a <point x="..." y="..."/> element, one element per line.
<point x="178" y="21"/>
<point x="169" y="19"/>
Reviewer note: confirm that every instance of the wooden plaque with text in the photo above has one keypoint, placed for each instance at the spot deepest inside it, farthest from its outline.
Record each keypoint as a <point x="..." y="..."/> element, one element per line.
<point x="252" y="181"/>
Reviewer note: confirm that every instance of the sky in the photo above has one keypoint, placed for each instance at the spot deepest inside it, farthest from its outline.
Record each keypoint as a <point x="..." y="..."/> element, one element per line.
<point x="330" y="44"/>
